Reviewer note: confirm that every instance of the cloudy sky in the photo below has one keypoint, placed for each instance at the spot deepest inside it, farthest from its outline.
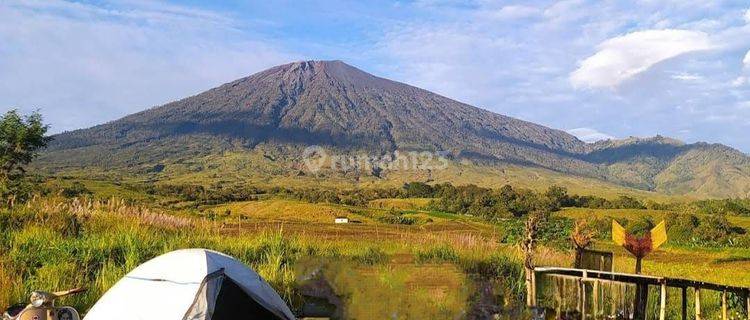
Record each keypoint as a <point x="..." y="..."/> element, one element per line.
<point x="597" y="69"/>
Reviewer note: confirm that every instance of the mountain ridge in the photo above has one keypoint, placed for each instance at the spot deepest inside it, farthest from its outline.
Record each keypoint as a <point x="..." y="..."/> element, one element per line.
<point x="333" y="104"/>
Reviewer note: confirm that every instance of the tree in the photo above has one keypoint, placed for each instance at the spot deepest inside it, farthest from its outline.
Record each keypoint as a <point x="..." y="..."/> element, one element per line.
<point x="558" y="196"/>
<point x="528" y="246"/>
<point x="20" y="139"/>
<point x="418" y="190"/>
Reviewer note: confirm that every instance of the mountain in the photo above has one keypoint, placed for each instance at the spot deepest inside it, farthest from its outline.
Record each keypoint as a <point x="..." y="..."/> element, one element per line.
<point x="332" y="104"/>
<point x="672" y="167"/>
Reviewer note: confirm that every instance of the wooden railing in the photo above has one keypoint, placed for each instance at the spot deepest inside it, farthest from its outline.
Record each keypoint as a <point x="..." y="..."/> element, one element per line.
<point x="642" y="282"/>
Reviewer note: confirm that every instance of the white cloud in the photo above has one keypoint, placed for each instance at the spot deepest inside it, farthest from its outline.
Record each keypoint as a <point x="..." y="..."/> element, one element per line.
<point x="513" y="12"/>
<point x="747" y="16"/>
<point x="743" y="78"/>
<point x="84" y="64"/>
<point x="739" y="81"/>
<point x="590" y="135"/>
<point x="684" y="76"/>
<point x="620" y="58"/>
<point x="87" y="62"/>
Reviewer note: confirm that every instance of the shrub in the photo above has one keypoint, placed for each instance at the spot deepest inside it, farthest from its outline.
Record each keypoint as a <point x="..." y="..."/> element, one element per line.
<point x="370" y="256"/>
<point x="443" y="253"/>
<point x="77" y="189"/>
<point x="397" y="219"/>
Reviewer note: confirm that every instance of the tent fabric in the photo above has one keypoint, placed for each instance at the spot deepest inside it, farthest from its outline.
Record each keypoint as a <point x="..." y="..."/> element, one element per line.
<point x="235" y="303"/>
<point x="205" y="301"/>
<point x="188" y="284"/>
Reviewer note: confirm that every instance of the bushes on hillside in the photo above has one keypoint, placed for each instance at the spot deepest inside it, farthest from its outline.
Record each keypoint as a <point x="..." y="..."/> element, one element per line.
<point x="713" y="230"/>
<point x="740" y="207"/>
<point x="682" y="229"/>
<point x="353" y="197"/>
<point x="490" y="204"/>
<point x="418" y="190"/>
<point x="77" y="189"/>
<point x="203" y="195"/>
<point x="594" y="202"/>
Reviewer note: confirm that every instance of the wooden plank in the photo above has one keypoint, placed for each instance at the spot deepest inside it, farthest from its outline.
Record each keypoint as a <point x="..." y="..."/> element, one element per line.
<point x="583" y="300"/>
<point x="529" y="286"/>
<point x="595" y="294"/>
<point x="724" y="305"/>
<point x="558" y="296"/>
<point x="533" y="288"/>
<point x="684" y="303"/>
<point x="697" y="303"/>
<point x="614" y="297"/>
<point x="663" y="304"/>
<point x="579" y="296"/>
<point x="641" y="301"/>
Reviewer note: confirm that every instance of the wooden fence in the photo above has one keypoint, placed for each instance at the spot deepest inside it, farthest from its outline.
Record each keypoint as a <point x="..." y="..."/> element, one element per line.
<point x="642" y="283"/>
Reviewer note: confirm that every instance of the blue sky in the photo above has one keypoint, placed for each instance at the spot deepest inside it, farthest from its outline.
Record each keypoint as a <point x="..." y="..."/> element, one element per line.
<point x="597" y="69"/>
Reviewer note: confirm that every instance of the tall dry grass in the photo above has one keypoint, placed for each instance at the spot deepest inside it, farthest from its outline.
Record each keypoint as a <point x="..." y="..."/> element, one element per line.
<point x="54" y="244"/>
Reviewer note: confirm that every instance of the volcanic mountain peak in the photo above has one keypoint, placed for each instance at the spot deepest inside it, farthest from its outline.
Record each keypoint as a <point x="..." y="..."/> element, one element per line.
<point x="333" y="104"/>
<point x="327" y="70"/>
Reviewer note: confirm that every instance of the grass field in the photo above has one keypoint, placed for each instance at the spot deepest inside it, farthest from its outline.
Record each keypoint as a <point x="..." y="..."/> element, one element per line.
<point x="440" y="266"/>
<point x="279" y="238"/>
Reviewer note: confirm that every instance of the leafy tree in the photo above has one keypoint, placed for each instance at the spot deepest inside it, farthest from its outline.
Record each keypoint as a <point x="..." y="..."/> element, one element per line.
<point x="418" y="190"/>
<point x="558" y="196"/>
<point x="20" y="139"/>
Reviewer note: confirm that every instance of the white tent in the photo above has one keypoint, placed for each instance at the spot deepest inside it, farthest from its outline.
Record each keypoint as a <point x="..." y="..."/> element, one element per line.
<point x="191" y="284"/>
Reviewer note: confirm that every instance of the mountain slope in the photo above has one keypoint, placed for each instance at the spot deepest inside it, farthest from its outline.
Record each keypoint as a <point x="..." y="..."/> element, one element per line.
<point x="672" y="167"/>
<point x="332" y="104"/>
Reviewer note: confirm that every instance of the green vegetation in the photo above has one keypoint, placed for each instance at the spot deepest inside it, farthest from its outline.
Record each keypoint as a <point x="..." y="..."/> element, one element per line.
<point x="683" y="229"/>
<point x="52" y="242"/>
<point x="91" y="239"/>
<point x="20" y="139"/>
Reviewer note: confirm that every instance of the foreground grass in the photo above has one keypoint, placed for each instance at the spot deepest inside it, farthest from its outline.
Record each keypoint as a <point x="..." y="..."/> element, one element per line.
<point x="429" y="270"/>
<point x="51" y="244"/>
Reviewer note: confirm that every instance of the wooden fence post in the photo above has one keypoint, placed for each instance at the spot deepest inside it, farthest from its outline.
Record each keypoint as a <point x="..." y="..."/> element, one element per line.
<point x="663" y="304"/>
<point x="641" y="301"/>
<point x="697" y="303"/>
<point x="533" y="288"/>
<point x="684" y="303"/>
<point x="530" y="296"/>
<point x="724" y="305"/>
<point x="583" y="295"/>
<point x="579" y="306"/>
<point x="559" y="292"/>
<point x="596" y="299"/>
